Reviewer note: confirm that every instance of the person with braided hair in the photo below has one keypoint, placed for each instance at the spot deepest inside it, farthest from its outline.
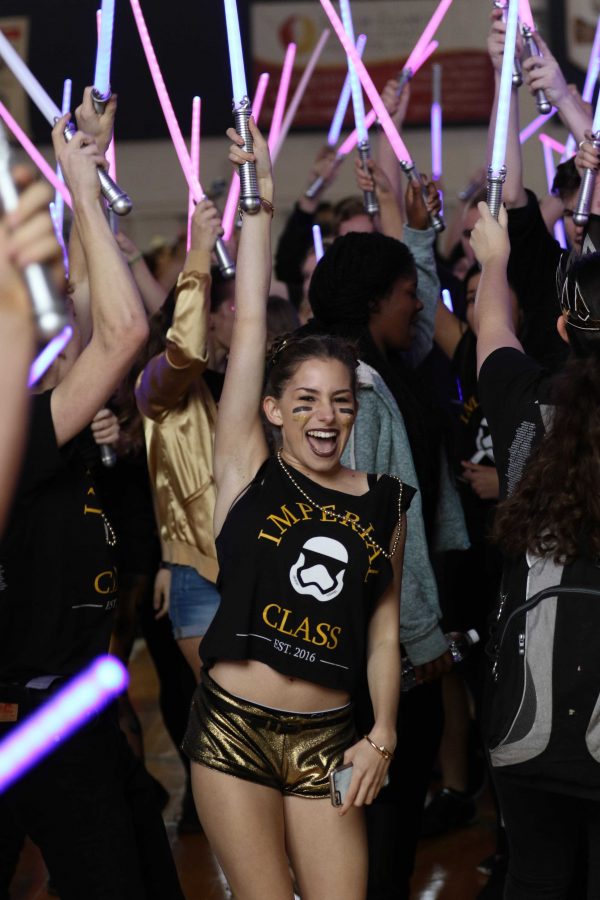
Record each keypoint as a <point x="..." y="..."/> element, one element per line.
<point x="542" y="723"/>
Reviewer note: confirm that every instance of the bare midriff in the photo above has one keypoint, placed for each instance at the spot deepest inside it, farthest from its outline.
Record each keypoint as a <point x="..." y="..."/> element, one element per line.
<point x="259" y="683"/>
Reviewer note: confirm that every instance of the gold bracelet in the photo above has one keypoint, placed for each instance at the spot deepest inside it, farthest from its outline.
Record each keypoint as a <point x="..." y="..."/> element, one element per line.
<point x="387" y="754"/>
<point x="265" y="204"/>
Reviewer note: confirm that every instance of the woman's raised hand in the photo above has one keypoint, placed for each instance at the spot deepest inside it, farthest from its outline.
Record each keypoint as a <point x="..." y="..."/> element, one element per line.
<point x="260" y="157"/>
<point x="489" y="238"/>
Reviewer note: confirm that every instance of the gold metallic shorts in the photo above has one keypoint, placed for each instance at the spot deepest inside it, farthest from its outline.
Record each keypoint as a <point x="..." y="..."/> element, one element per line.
<point x="291" y="752"/>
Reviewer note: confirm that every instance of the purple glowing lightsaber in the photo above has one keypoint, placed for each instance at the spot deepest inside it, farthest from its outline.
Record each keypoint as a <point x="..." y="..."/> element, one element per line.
<point x="44" y="360"/>
<point x="68" y="710"/>
<point x="318" y="241"/>
<point x="552" y="143"/>
<point x="364" y="150"/>
<point x="299" y="93"/>
<point x="59" y="203"/>
<point x="281" y="98"/>
<point x="559" y="227"/>
<point x="231" y="204"/>
<point x="497" y="169"/>
<point x="58" y="231"/>
<point x="249" y="193"/>
<point x="415" y="60"/>
<point x="436" y="122"/>
<point x="226" y="265"/>
<point x="587" y="94"/>
<point x="117" y="199"/>
<point x="534" y="126"/>
<point x="581" y="212"/>
<point x="195" y="162"/>
<point x="101" y="91"/>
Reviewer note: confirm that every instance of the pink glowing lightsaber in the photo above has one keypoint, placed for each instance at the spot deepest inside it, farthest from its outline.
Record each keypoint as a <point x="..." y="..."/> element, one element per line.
<point x="534" y="126"/>
<point x="44" y="360"/>
<point x="46" y="170"/>
<point x="225" y="264"/>
<point x="299" y="93"/>
<point x="231" y="205"/>
<point x="559" y="225"/>
<point x="415" y="58"/>
<point x="525" y="15"/>
<point x="282" y="92"/>
<point x="69" y="709"/>
<point x="436" y="123"/>
<point x="195" y="161"/>
<point x="548" y="141"/>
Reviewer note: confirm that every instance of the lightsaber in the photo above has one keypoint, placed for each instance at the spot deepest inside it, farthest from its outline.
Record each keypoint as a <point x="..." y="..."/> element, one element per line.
<point x="581" y="212"/>
<point x="396" y="142"/>
<point x="44" y="360"/>
<point x="587" y="94"/>
<point x="430" y="29"/>
<point x="59" y="203"/>
<point x="318" y="241"/>
<point x="249" y="194"/>
<point x="527" y="30"/>
<point x="195" y="162"/>
<point x="497" y="169"/>
<point x="551" y="142"/>
<point x="231" y="204"/>
<point x="280" y="99"/>
<point x="101" y="91"/>
<point x="56" y="720"/>
<point x="559" y="226"/>
<point x="407" y="74"/>
<point x="436" y="122"/>
<point x="534" y="126"/>
<point x="447" y="299"/>
<point x="299" y="93"/>
<point x="110" y="153"/>
<point x="48" y="305"/>
<point x="58" y="231"/>
<point x="364" y="149"/>
<point x="225" y="262"/>
<point x="517" y="75"/>
<point x="116" y="199"/>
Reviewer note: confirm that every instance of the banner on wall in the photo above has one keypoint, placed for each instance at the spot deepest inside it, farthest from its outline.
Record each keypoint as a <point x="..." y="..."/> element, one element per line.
<point x="392" y="28"/>
<point x="16" y="29"/>
<point x="580" y="19"/>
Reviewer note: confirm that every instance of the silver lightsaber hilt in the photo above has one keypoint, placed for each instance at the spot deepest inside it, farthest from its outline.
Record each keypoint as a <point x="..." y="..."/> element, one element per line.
<point x="117" y="200"/>
<point x="224" y="261"/>
<point x="581" y="213"/>
<point x="403" y="78"/>
<point x="100" y="100"/>
<point x="249" y="194"/>
<point x="369" y="198"/>
<point x="410" y="170"/>
<point x="494" y="190"/>
<point x="48" y="304"/>
<point x="108" y="456"/>
<point x="541" y="101"/>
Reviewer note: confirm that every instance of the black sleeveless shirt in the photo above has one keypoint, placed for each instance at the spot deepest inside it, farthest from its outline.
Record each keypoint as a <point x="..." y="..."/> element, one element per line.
<point x="297" y="583"/>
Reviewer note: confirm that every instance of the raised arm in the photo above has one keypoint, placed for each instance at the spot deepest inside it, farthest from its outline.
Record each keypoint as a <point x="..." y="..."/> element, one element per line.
<point x="167" y="376"/>
<point x="493" y="313"/>
<point x="240" y="445"/>
<point x="152" y="293"/>
<point x="391" y="218"/>
<point x="118" y="320"/>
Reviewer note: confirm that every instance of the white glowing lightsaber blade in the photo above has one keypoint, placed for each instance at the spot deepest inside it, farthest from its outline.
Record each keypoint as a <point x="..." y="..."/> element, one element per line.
<point x="236" y="55"/>
<point x="559" y="226"/>
<point x="231" y="204"/>
<point x="436" y="122"/>
<point x="104" y="51"/>
<point x="447" y="300"/>
<point x="70" y="708"/>
<point x="427" y="35"/>
<point x="195" y="162"/>
<point x="318" y="241"/>
<point x="59" y="203"/>
<point x="338" y="117"/>
<point x="299" y="93"/>
<point x="281" y="98"/>
<point x="497" y="170"/>
<point x="99" y="105"/>
<point x="358" y="103"/>
<point x="44" y="360"/>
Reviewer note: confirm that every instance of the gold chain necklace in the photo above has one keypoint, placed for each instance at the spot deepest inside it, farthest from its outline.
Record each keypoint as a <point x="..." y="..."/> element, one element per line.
<point x="340" y="517"/>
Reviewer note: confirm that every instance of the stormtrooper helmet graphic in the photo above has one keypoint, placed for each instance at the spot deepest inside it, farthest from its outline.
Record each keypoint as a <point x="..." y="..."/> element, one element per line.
<point x="320" y="568"/>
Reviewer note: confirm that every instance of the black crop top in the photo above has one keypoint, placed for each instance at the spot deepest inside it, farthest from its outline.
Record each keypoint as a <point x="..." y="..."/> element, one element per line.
<point x="297" y="584"/>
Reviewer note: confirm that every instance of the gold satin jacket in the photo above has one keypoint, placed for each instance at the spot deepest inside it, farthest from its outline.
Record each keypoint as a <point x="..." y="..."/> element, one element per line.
<point x="179" y="416"/>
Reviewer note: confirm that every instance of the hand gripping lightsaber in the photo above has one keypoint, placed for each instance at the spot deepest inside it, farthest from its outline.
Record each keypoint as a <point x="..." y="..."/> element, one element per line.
<point x="541" y="101"/>
<point x="364" y="149"/>
<point x="581" y="212"/>
<point x="101" y="92"/>
<point x="412" y="173"/>
<point x="497" y="169"/>
<point x="242" y="110"/>
<point x="116" y="199"/>
<point x="517" y="72"/>
<point x="48" y="305"/>
<point x="415" y="58"/>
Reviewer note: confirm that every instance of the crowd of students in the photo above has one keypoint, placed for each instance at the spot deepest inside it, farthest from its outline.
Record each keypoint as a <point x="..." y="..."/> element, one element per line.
<point x="321" y="472"/>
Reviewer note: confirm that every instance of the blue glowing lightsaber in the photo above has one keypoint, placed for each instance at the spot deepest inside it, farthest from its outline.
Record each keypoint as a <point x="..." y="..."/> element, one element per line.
<point x="242" y="110"/>
<point x="497" y="169"/>
<point x="318" y="241"/>
<point x="447" y="300"/>
<point x="581" y="212"/>
<point x="59" y="203"/>
<point x="358" y="103"/>
<point x="101" y="91"/>
<point x="44" y="730"/>
<point x="44" y="360"/>
<point x="116" y="199"/>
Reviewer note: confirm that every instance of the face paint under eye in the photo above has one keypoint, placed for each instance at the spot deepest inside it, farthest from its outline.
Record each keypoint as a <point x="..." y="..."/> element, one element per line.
<point x="302" y="409"/>
<point x="346" y="411"/>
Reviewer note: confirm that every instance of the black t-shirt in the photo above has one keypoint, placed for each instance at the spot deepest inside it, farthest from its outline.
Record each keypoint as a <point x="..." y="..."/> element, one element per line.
<point x="57" y="575"/>
<point x="297" y="584"/>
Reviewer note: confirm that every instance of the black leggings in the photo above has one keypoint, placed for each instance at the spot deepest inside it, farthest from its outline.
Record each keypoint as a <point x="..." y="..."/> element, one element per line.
<point x="546" y="832"/>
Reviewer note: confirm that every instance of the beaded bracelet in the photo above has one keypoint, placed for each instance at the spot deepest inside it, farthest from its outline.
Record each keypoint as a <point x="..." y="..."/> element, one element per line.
<point x="265" y="204"/>
<point x="383" y="751"/>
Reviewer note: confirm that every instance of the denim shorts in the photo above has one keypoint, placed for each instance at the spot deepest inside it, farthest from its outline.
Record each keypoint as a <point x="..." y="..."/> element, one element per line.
<point x="194" y="601"/>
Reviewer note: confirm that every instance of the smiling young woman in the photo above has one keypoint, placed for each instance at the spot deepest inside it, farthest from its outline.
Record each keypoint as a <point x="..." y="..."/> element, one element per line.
<point x="310" y="556"/>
